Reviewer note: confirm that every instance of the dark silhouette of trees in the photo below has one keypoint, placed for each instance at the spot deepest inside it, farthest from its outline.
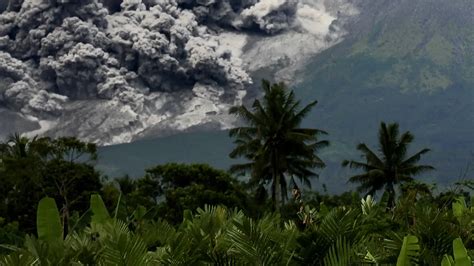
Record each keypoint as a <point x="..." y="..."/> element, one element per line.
<point x="274" y="143"/>
<point x="391" y="167"/>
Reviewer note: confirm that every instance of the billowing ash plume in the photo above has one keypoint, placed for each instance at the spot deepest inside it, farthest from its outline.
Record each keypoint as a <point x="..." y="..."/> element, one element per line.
<point x="126" y="65"/>
<point x="266" y="16"/>
<point x="19" y="91"/>
<point x="269" y="16"/>
<point x="73" y="49"/>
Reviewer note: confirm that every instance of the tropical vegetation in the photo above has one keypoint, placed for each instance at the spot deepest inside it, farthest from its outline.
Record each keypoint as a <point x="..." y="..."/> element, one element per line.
<point x="393" y="167"/>
<point x="57" y="209"/>
<point x="275" y="144"/>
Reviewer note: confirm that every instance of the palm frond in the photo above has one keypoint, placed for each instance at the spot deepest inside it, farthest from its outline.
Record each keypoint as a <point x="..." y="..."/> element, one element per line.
<point x="416" y="170"/>
<point x="414" y="158"/>
<point x="340" y="254"/>
<point x="299" y="116"/>
<point x="358" y="165"/>
<point x="371" y="157"/>
<point x="121" y="247"/>
<point x="18" y="259"/>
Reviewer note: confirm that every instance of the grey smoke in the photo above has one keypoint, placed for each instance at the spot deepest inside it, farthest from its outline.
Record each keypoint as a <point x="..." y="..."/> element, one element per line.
<point x="19" y="91"/>
<point x="78" y="51"/>
<point x="227" y="13"/>
<point x="75" y="49"/>
<point x="107" y="70"/>
<point x="239" y="15"/>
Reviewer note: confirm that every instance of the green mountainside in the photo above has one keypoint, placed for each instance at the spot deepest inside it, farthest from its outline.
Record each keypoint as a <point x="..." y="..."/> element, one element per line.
<point x="405" y="61"/>
<point x="413" y="46"/>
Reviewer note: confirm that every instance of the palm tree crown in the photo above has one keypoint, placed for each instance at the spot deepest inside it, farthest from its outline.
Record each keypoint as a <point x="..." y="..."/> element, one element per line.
<point x="392" y="166"/>
<point x="16" y="146"/>
<point x="274" y="143"/>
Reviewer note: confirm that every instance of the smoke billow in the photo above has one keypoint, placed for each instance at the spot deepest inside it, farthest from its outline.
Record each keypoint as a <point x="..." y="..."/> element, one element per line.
<point x="19" y="91"/>
<point x="268" y="16"/>
<point x="74" y="49"/>
<point x="141" y="57"/>
<point x="265" y="16"/>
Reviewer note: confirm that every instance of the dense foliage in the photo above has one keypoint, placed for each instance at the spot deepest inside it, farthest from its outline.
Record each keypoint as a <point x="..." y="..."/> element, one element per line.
<point x="33" y="168"/>
<point x="361" y="233"/>
<point x="168" y="190"/>
<point x="56" y="209"/>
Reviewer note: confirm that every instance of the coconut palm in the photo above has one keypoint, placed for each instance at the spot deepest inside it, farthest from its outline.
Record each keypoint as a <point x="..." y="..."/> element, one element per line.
<point x="273" y="142"/>
<point x="16" y="146"/>
<point x="391" y="167"/>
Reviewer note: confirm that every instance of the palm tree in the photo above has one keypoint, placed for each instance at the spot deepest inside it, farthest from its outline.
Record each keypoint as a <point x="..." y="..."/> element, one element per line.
<point x="20" y="175"/>
<point x="21" y="147"/>
<point x="391" y="167"/>
<point x="16" y="146"/>
<point x="274" y="144"/>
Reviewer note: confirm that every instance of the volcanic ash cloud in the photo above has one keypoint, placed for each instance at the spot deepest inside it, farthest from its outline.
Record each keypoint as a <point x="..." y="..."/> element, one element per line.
<point x="151" y="60"/>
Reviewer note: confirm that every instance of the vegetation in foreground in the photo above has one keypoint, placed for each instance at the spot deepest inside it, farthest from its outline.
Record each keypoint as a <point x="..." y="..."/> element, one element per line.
<point x="197" y="215"/>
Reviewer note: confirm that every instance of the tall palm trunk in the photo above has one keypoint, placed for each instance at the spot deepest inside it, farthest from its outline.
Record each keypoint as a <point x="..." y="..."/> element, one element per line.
<point x="283" y="195"/>
<point x="391" y="196"/>
<point x="273" y="196"/>
<point x="276" y="192"/>
<point x="276" y="184"/>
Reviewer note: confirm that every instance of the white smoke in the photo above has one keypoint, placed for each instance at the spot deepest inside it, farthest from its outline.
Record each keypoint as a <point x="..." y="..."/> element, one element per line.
<point x="315" y="19"/>
<point x="318" y="25"/>
<point x="271" y="16"/>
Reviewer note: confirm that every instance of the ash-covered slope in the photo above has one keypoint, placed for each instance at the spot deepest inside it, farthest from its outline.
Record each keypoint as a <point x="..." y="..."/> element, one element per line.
<point x="109" y="72"/>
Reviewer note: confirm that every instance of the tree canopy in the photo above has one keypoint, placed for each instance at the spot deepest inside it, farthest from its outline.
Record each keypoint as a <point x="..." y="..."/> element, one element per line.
<point x="277" y="149"/>
<point x="393" y="165"/>
<point x="37" y="167"/>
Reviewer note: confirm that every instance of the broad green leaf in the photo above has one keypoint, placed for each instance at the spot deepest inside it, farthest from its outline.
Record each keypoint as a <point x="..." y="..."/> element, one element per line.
<point x="187" y="215"/>
<point x="447" y="261"/>
<point x="48" y="221"/>
<point x="459" y="207"/>
<point x="139" y="213"/>
<point x="461" y="257"/>
<point x="409" y="252"/>
<point x="100" y="213"/>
